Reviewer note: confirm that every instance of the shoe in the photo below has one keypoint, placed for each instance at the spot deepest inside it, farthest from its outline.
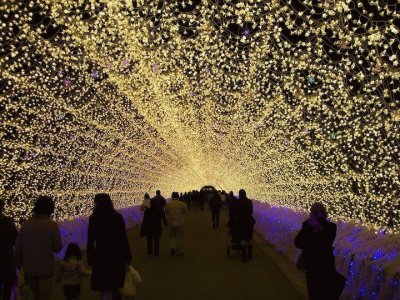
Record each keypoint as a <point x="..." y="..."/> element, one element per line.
<point x="179" y="254"/>
<point x="149" y="255"/>
<point x="156" y="257"/>
<point x="172" y="251"/>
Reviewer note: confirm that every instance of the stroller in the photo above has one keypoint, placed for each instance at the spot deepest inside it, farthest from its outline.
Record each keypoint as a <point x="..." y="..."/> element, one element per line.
<point x="236" y="242"/>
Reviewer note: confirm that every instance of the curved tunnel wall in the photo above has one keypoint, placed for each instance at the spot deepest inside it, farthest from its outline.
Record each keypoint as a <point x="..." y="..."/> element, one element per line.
<point x="295" y="101"/>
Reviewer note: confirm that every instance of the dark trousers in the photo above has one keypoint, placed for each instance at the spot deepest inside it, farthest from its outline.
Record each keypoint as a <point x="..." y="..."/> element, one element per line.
<point x="153" y="245"/>
<point x="6" y="285"/>
<point x="72" y="292"/>
<point x="215" y="218"/>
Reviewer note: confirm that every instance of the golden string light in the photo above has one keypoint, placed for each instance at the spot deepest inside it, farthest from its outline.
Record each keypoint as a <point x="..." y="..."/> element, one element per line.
<point x="294" y="100"/>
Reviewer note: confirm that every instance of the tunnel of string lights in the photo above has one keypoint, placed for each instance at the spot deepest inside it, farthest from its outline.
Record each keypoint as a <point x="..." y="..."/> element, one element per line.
<point x="296" y="101"/>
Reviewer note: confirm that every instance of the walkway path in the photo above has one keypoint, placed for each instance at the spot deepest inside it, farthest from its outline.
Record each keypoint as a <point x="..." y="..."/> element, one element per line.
<point x="204" y="272"/>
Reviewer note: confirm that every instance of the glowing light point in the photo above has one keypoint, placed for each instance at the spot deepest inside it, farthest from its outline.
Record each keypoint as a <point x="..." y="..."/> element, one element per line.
<point x="67" y="82"/>
<point x="95" y="74"/>
<point x="155" y="67"/>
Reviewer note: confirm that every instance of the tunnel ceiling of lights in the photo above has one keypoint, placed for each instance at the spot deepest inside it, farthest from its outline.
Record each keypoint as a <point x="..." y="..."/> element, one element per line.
<point x="293" y="100"/>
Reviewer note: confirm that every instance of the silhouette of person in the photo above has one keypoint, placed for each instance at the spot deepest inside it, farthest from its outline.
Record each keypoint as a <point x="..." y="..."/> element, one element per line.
<point x="70" y="272"/>
<point x="315" y="239"/>
<point x="146" y="202"/>
<point x="242" y="225"/>
<point x="8" y="236"/>
<point x="215" y="204"/>
<point x="107" y="248"/>
<point x="152" y="229"/>
<point x="159" y="200"/>
<point x="175" y="211"/>
<point x="38" y="240"/>
<point x="231" y="201"/>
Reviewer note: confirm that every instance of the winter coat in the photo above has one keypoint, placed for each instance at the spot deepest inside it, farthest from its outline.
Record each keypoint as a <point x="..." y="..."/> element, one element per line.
<point x="215" y="202"/>
<point x="151" y="224"/>
<point x="36" y="244"/>
<point x="319" y="259"/>
<point x="175" y="211"/>
<point x="107" y="251"/>
<point x="8" y="236"/>
<point x="242" y="222"/>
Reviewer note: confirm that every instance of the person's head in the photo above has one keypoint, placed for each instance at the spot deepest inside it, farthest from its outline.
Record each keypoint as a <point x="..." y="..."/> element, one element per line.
<point x="242" y="193"/>
<point x="2" y="203"/>
<point x="158" y="192"/>
<point x="73" y="250"/>
<point x="44" y="205"/>
<point x="175" y="195"/>
<point x="318" y="210"/>
<point x="146" y="196"/>
<point x="231" y="194"/>
<point x="103" y="204"/>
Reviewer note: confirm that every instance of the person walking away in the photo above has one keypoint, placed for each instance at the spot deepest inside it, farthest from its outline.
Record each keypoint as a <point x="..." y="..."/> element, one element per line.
<point x="107" y="248"/>
<point x="231" y="201"/>
<point x="70" y="272"/>
<point x="175" y="211"/>
<point x="316" y="239"/>
<point x="146" y="202"/>
<point x="38" y="240"/>
<point x="243" y="225"/>
<point x="215" y="205"/>
<point x="8" y="236"/>
<point x="152" y="229"/>
<point x="159" y="199"/>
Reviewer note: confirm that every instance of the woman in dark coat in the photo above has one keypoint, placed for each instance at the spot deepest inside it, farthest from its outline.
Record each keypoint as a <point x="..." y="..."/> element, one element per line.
<point x="315" y="239"/>
<point x="242" y="224"/>
<point x="151" y="228"/>
<point x="8" y="236"/>
<point x="107" y="249"/>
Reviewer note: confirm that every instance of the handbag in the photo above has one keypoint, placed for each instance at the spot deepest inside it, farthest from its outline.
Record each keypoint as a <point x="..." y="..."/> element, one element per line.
<point x="301" y="261"/>
<point x="129" y="289"/>
<point x="131" y="278"/>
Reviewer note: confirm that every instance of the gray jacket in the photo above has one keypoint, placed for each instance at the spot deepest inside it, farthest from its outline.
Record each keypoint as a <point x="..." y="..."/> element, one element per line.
<point x="36" y="244"/>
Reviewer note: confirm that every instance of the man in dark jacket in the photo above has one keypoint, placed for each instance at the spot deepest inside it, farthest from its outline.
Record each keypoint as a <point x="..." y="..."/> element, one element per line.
<point x="8" y="236"/>
<point x="159" y="201"/>
<point x="215" y="204"/>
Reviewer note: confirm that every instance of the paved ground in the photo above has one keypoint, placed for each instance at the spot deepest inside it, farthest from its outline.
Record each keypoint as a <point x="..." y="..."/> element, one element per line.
<point x="204" y="272"/>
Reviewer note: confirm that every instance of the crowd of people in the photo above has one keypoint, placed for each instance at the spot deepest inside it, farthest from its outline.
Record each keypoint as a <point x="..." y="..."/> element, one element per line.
<point x="32" y="250"/>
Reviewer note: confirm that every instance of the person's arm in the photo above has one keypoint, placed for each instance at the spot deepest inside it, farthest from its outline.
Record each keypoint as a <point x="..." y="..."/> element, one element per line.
<point x="125" y="243"/>
<point x="164" y="218"/>
<point x="60" y="272"/>
<point x="300" y="239"/>
<point x="90" y="242"/>
<point x="332" y="233"/>
<point x="56" y="238"/>
<point x="83" y="270"/>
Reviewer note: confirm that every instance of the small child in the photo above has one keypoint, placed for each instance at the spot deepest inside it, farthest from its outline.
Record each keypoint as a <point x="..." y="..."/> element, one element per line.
<point x="70" y="271"/>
